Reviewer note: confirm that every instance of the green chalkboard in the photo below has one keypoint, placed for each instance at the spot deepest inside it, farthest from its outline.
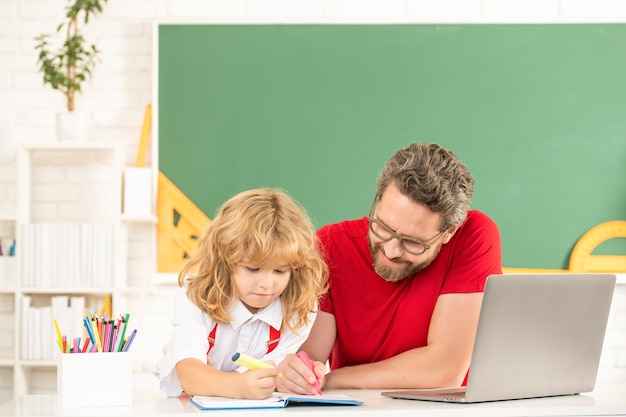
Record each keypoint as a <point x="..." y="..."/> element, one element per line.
<point x="537" y="113"/>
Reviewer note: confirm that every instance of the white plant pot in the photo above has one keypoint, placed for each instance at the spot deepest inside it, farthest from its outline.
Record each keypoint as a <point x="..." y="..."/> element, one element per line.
<point x="71" y="126"/>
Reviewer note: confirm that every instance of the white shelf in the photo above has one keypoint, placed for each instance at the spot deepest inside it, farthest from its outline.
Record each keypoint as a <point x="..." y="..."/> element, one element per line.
<point x="70" y="146"/>
<point x="109" y="160"/>
<point x="38" y="364"/>
<point x="66" y="290"/>
<point x="132" y="218"/>
<point x="165" y="278"/>
<point x="140" y="290"/>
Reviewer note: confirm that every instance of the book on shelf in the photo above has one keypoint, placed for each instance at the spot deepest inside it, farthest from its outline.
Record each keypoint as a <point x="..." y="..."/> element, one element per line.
<point x="76" y="255"/>
<point x="277" y="400"/>
<point x="37" y="322"/>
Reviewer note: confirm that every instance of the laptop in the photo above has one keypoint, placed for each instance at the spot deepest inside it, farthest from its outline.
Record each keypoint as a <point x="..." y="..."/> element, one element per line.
<point x="538" y="335"/>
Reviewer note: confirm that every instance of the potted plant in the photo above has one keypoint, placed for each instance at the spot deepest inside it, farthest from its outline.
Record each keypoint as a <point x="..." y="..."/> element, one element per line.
<point x="67" y="68"/>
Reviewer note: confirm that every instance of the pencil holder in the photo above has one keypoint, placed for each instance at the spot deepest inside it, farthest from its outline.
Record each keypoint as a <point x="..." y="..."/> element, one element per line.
<point x="95" y="379"/>
<point x="8" y="266"/>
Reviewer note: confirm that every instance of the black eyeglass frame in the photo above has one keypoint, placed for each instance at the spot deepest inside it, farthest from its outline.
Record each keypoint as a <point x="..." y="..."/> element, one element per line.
<point x="400" y="238"/>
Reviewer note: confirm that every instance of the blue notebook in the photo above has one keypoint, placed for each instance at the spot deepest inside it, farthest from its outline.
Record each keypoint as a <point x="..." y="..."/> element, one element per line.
<point x="277" y="400"/>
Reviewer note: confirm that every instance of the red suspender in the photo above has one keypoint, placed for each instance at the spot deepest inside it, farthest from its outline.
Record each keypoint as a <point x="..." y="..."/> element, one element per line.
<point x="274" y="339"/>
<point x="271" y="344"/>
<point x="211" y="338"/>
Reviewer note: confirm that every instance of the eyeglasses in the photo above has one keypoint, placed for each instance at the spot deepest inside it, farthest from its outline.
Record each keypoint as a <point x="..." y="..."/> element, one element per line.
<point x="408" y="244"/>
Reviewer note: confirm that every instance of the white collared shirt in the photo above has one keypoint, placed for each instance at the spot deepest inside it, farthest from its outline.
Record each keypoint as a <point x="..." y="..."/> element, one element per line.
<point x="246" y="333"/>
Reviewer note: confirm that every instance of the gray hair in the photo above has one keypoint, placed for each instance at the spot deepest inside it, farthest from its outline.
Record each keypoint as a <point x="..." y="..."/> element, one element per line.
<point x="432" y="176"/>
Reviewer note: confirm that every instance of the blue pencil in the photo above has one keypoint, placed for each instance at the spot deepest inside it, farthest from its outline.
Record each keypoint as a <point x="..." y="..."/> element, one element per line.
<point x="130" y="340"/>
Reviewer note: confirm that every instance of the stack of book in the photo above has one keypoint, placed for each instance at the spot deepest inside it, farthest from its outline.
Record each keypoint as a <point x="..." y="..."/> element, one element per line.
<point x="67" y="255"/>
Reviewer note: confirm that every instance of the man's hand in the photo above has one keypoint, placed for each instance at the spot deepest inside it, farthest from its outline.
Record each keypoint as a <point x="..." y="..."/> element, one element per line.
<point x="298" y="378"/>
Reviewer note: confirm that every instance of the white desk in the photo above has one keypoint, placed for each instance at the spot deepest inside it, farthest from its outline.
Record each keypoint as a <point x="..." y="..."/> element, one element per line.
<point x="607" y="399"/>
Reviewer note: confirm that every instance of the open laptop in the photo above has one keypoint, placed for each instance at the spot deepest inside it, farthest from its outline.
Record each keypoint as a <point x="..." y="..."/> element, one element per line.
<point x="538" y="335"/>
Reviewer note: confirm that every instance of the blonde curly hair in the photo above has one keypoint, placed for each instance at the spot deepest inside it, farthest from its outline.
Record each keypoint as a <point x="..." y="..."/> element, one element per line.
<point x="259" y="226"/>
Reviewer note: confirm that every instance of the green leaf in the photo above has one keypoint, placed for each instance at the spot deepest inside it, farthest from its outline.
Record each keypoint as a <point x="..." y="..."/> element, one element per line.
<point x="67" y="68"/>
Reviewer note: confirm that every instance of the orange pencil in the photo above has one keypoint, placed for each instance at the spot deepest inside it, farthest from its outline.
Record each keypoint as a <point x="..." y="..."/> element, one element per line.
<point x="86" y="345"/>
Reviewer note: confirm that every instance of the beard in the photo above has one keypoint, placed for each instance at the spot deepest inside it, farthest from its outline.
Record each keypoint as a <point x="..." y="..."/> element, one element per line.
<point x="405" y="267"/>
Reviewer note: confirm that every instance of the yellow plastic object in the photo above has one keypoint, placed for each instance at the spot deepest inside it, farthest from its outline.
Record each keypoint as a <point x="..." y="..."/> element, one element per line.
<point x="180" y="222"/>
<point x="582" y="260"/>
<point x="145" y="137"/>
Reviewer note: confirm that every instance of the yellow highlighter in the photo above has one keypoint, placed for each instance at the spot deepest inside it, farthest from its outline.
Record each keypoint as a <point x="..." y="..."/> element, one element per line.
<point x="59" y="335"/>
<point x="94" y="327"/>
<point x="249" y="362"/>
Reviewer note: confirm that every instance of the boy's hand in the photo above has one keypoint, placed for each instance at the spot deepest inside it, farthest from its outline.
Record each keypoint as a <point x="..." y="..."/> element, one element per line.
<point x="258" y="384"/>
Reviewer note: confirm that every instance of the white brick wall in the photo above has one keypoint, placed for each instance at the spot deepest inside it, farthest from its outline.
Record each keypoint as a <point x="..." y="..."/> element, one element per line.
<point x="116" y="98"/>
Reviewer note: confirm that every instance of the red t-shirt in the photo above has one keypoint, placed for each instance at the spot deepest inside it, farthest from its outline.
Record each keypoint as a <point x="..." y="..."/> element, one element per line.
<point x="377" y="319"/>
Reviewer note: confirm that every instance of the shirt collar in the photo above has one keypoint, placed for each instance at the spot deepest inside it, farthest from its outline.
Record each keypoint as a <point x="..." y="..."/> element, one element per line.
<point x="272" y="314"/>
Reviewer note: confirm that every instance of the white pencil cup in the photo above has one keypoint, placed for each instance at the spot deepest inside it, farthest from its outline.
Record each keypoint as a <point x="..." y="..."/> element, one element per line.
<point x="8" y="265"/>
<point x="95" y="379"/>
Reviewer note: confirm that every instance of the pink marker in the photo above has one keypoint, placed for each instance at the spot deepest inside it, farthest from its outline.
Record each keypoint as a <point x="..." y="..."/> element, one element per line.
<point x="307" y="361"/>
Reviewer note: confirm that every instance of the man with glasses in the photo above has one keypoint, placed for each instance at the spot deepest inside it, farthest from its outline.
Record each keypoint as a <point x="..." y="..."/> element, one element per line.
<point x="406" y="282"/>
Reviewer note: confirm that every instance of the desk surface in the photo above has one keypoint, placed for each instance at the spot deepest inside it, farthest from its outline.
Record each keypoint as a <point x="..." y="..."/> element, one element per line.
<point x="607" y="399"/>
